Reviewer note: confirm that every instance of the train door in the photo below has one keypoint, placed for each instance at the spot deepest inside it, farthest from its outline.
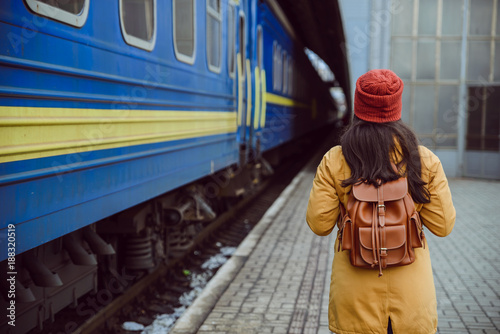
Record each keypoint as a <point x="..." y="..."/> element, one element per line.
<point x="259" y="108"/>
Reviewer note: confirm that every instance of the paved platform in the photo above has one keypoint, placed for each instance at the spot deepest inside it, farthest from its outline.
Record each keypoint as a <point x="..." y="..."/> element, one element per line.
<point x="278" y="279"/>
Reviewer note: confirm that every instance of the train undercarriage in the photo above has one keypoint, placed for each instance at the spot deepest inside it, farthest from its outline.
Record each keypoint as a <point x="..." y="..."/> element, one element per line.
<point x="86" y="269"/>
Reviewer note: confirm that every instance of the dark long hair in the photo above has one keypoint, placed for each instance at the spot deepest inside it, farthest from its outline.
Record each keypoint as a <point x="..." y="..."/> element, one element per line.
<point x="368" y="148"/>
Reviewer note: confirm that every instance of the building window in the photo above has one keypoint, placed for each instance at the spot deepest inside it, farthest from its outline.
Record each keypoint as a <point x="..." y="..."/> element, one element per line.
<point x="214" y="35"/>
<point x="184" y="30"/>
<point x="483" y="121"/>
<point x="231" y="40"/>
<point x="72" y="12"/>
<point x="138" y="23"/>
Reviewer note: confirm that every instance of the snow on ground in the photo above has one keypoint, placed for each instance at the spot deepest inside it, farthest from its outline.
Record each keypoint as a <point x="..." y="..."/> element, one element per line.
<point x="164" y="322"/>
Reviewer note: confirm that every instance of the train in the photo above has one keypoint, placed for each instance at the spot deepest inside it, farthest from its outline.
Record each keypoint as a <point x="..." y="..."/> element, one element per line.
<point x="124" y="128"/>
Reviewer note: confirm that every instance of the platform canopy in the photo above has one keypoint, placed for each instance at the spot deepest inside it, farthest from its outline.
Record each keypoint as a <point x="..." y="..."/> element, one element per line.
<point x="318" y="25"/>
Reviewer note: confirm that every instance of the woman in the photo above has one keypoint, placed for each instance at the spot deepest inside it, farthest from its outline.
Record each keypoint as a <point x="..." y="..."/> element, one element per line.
<point x="403" y="300"/>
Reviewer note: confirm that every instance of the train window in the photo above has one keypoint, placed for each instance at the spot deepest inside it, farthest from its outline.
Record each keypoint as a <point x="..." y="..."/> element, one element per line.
<point x="214" y="34"/>
<point x="285" y="72"/>
<point x="242" y="44"/>
<point x="290" y="76"/>
<point x="275" y="65"/>
<point x="279" y="69"/>
<point x="138" y="23"/>
<point x="184" y="30"/>
<point x="73" y="12"/>
<point x="231" y="40"/>
<point x="259" y="47"/>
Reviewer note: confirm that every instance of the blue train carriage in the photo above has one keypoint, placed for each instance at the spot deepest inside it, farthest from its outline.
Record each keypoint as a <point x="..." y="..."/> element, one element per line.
<point x="297" y="101"/>
<point x="104" y="106"/>
<point x="110" y="112"/>
<point x="288" y="98"/>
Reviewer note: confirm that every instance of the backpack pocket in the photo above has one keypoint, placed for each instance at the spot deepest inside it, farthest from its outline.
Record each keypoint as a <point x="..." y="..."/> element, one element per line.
<point x="395" y="243"/>
<point x="346" y="240"/>
<point x="417" y="232"/>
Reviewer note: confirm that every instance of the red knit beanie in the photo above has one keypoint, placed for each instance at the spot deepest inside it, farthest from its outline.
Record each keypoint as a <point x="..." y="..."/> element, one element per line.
<point x="378" y="96"/>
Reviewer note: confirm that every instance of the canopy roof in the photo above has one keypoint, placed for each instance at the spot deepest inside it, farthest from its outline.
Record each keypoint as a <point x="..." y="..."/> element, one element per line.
<point x="318" y="25"/>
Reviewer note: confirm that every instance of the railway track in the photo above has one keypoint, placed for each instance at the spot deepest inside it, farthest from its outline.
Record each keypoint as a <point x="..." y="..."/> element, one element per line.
<point x="166" y="292"/>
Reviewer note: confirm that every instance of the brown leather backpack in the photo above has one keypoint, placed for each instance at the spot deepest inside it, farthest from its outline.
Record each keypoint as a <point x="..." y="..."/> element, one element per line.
<point x="380" y="227"/>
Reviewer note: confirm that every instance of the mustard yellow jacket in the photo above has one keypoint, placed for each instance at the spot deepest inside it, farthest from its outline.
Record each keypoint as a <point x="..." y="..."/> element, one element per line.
<point x="360" y="301"/>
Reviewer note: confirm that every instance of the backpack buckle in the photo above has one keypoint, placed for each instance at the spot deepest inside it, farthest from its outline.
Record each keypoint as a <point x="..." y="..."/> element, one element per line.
<point x="383" y="252"/>
<point x="379" y="209"/>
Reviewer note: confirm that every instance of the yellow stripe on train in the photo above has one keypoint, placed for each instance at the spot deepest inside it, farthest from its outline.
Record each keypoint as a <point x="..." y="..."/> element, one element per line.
<point x="30" y="132"/>
<point x="284" y="101"/>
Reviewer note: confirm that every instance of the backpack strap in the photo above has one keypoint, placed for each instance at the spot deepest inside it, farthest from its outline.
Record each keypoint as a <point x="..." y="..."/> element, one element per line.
<point x="342" y="220"/>
<point x="379" y="229"/>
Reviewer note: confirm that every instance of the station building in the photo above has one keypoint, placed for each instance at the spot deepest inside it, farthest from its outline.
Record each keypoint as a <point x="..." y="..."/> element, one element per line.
<point x="448" y="54"/>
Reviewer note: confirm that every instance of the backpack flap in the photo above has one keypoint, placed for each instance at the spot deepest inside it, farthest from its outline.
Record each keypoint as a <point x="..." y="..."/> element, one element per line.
<point x="393" y="191"/>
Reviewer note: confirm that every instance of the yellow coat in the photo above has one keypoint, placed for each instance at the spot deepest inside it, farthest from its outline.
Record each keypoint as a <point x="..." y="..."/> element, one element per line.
<point x="360" y="301"/>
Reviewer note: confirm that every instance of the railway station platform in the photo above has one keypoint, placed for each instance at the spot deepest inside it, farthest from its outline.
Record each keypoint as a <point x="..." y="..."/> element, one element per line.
<point x="278" y="279"/>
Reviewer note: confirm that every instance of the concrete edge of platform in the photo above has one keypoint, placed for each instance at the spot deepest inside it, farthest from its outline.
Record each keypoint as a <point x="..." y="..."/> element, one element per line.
<point x="196" y="313"/>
